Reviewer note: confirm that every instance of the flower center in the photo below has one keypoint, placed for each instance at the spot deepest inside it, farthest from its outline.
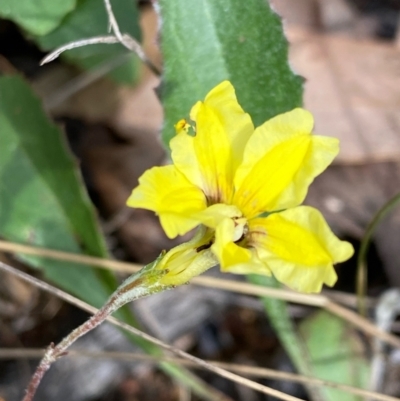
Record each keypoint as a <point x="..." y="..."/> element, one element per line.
<point x="241" y="228"/>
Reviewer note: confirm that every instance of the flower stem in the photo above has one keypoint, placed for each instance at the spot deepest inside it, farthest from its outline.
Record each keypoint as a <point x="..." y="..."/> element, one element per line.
<point x="362" y="274"/>
<point x="143" y="283"/>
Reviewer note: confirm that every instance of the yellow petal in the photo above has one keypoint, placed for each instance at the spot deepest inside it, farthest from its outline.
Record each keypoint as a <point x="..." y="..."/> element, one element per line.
<point x="215" y="214"/>
<point x="268" y="177"/>
<point x="210" y="159"/>
<point x="227" y="252"/>
<point x="205" y="159"/>
<point x="236" y="122"/>
<point x="321" y="152"/>
<point x="167" y="192"/>
<point x="299" y="248"/>
<point x="280" y="161"/>
<point x="213" y="153"/>
<point x="252" y="266"/>
<point x="184" y="158"/>
<point x="174" y="224"/>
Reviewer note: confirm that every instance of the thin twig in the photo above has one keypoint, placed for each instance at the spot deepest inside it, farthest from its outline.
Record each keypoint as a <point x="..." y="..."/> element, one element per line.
<point x="362" y="324"/>
<point x="114" y="265"/>
<point x="385" y="313"/>
<point x="83" y="305"/>
<point x="362" y="277"/>
<point x="145" y="282"/>
<point x="227" y="285"/>
<point x="346" y="299"/>
<point x="128" y="42"/>
<point x="257" y="290"/>
<point x="247" y="370"/>
<point x="109" y="39"/>
<point x="113" y="21"/>
<point x="127" y="267"/>
<point x="55" y="352"/>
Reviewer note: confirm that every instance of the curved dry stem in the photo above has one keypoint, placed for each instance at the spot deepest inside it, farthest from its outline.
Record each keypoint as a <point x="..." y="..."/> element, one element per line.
<point x="143" y="283"/>
<point x="109" y="39"/>
<point x="227" y="285"/>
<point x="55" y="352"/>
<point x="127" y="267"/>
<point x="362" y="277"/>
<point x="112" y="20"/>
<point x="247" y="370"/>
<point x="83" y="305"/>
<point x="127" y="41"/>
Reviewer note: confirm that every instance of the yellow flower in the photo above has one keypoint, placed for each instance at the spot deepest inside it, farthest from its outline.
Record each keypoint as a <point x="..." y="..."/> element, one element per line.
<point x="246" y="184"/>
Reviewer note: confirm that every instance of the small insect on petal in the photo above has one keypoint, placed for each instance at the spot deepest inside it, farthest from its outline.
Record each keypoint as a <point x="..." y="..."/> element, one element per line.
<point x="182" y="126"/>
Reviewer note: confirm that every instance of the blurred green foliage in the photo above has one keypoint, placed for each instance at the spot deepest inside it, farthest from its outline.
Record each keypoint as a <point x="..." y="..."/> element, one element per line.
<point x="37" y="18"/>
<point x="42" y="197"/>
<point x="336" y="353"/>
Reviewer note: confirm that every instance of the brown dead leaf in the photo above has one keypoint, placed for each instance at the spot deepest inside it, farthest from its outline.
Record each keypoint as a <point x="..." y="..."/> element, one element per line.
<point x="353" y="89"/>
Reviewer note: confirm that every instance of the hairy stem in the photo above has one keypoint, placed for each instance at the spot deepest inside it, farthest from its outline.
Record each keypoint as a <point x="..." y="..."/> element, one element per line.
<point x="139" y="285"/>
<point x="55" y="352"/>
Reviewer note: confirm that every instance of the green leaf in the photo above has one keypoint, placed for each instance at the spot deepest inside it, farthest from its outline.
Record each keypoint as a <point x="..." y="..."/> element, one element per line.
<point x="337" y="354"/>
<point x="37" y="17"/>
<point x="206" y="41"/>
<point x="291" y="341"/>
<point x="42" y="198"/>
<point x="43" y="203"/>
<point x="89" y="19"/>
